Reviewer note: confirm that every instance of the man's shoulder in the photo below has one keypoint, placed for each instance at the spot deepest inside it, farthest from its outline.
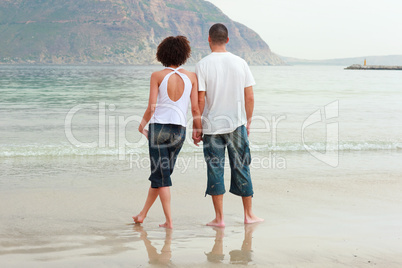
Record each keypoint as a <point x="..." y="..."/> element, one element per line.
<point x="205" y="59"/>
<point x="212" y="58"/>
<point x="238" y="58"/>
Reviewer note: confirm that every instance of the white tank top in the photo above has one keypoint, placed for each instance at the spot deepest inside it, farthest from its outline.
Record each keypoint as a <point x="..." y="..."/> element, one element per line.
<point x="168" y="111"/>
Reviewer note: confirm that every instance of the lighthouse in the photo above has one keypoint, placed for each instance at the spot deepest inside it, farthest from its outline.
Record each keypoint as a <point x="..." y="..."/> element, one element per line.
<point x="364" y="62"/>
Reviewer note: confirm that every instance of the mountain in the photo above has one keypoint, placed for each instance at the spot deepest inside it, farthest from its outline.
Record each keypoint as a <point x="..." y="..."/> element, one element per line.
<point x="391" y="60"/>
<point x="115" y="31"/>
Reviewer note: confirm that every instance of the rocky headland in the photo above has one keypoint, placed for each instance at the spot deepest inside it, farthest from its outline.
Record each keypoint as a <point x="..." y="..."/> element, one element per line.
<point x="115" y="31"/>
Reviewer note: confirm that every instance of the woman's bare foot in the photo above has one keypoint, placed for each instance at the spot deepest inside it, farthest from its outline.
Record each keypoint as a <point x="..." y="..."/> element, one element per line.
<point x="139" y="218"/>
<point x="216" y="223"/>
<point x="167" y="225"/>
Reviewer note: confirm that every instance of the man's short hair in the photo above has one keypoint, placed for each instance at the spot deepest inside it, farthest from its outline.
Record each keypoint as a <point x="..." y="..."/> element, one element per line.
<point x="173" y="50"/>
<point x="218" y="34"/>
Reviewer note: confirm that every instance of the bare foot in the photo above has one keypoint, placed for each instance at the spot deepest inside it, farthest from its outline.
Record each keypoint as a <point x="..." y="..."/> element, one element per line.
<point x="216" y="223"/>
<point x="167" y="225"/>
<point x="138" y="219"/>
<point x="252" y="219"/>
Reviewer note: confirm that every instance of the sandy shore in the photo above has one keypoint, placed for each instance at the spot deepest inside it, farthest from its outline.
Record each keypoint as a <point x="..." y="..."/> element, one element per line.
<point x="73" y="212"/>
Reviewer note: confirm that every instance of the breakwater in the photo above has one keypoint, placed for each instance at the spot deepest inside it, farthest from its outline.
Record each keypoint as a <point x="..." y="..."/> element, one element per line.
<point x="372" y="67"/>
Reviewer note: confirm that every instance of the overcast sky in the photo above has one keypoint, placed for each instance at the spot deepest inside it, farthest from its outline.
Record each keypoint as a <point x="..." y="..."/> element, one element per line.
<point x="322" y="29"/>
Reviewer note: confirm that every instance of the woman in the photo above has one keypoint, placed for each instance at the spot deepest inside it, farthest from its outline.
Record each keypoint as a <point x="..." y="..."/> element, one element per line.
<point x="171" y="90"/>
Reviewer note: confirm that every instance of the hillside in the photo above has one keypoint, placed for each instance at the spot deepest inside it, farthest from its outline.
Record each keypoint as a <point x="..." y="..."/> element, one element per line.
<point x="115" y="31"/>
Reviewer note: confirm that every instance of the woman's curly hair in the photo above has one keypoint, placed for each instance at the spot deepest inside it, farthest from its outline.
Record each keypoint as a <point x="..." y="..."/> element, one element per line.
<point x="173" y="51"/>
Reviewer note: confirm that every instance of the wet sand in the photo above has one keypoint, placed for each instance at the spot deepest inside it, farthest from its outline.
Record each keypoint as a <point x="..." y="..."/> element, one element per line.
<point x="72" y="212"/>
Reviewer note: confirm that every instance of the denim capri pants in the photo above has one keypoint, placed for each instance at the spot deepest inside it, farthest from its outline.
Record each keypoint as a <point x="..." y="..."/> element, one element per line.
<point x="165" y="142"/>
<point x="238" y="148"/>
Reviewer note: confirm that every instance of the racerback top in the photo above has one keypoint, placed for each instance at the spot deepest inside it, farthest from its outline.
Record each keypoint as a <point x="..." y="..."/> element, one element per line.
<point x="168" y="111"/>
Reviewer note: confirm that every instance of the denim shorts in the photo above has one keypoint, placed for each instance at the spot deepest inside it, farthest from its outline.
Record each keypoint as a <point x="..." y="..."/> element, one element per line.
<point x="165" y="142"/>
<point x="239" y="159"/>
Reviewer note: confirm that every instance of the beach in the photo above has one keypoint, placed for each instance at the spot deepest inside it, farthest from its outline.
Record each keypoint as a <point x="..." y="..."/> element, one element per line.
<point x="326" y="151"/>
<point x="343" y="217"/>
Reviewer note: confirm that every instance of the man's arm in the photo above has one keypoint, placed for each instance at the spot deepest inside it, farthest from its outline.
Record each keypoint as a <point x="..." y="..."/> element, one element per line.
<point x="197" y="126"/>
<point x="201" y="88"/>
<point x="249" y="103"/>
<point x="201" y="101"/>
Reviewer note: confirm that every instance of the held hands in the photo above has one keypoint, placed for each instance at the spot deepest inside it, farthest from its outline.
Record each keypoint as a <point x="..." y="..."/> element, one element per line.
<point x="197" y="136"/>
<point x="143" y="131"/>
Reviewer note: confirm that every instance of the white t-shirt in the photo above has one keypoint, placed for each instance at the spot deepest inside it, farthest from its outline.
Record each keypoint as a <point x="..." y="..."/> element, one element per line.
<point x="223" y="76"/>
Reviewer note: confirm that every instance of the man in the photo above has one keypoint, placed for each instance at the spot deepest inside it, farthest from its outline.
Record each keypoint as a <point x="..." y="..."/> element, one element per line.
<point x="226" y="102"/>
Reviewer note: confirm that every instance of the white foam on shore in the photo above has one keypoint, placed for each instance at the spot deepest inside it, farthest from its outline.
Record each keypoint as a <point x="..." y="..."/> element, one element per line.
<point x="60" y="150"/>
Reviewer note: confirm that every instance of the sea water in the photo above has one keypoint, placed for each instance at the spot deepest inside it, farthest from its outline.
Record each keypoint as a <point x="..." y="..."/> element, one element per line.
<point x="57" y="121"/>
<point x="95" y="110"/>
<point x="65" y="112"/>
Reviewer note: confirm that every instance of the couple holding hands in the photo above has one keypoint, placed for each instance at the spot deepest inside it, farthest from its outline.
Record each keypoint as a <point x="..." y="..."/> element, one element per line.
<point x="221" y="90"/>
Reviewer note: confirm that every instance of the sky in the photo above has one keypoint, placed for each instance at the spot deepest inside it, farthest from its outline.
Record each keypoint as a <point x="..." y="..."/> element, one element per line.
<point x="322" y="29"/>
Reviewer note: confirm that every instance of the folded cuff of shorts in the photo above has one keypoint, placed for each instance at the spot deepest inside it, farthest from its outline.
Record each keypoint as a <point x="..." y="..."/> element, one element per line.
<point x="159" y="182"/>
<point x="244" y="194"/>
<point x="209" y="192"/>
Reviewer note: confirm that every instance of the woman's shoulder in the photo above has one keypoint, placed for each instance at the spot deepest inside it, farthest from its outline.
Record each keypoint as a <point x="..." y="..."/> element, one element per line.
<point x="190" y="75"/>
<point x="162" y="72"/>
<point x="159" y="75"/>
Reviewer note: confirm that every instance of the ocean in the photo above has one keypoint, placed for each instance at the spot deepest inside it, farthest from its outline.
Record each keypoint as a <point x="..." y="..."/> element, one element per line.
<point x="74" y="167"/>
<point x="94" y="110"/>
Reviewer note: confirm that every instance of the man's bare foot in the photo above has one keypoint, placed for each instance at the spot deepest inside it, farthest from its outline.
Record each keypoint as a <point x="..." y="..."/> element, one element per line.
<point x="167" y="225"/>
<point x="216" y="223"/>
<point x="138" y="219"/>
<point x="252" y="219"/>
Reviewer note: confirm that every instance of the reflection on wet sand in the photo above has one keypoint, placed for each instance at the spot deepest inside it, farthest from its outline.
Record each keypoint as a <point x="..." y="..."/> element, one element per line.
<point x="216" y="254"/>
<point x="155" y="257"/>
<point x="242" y="256"/>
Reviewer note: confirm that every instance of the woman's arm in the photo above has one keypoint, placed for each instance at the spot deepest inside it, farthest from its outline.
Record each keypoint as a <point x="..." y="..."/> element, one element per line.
<point x="153" y="96"/>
